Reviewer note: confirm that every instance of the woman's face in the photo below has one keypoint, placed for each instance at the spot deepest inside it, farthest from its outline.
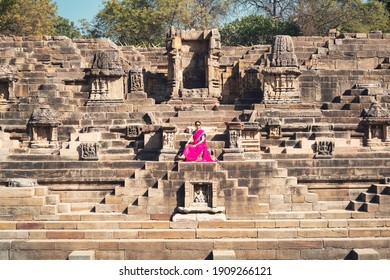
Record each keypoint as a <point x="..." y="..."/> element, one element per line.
<point x="197" y="126"/>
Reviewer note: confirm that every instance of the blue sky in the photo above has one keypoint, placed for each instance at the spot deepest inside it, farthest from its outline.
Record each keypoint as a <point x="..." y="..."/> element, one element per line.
<point x="74" y="10"/>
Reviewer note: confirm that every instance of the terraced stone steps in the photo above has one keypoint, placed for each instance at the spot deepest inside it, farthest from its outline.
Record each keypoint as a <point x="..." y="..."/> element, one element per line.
<point x="256" y="239"/>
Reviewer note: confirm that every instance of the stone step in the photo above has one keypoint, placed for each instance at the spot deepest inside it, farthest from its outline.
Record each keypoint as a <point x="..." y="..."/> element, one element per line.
<point x="197" y="233"/>
<point x="179" y="249"/>
<point x="111" y="224"/>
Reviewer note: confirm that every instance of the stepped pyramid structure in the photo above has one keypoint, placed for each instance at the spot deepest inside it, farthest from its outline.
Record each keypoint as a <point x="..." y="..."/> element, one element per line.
<point x="90" y="132"/>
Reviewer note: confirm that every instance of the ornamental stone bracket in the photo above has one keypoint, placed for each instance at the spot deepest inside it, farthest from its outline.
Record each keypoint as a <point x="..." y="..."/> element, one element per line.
<point x="43" y="129"/>
<point x="193" y="64"/>
<point x="280" y="82"/>
<point x="106" y="79"/>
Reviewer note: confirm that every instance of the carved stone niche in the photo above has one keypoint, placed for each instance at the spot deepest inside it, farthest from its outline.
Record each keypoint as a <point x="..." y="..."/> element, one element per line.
<point x="193" y="64"/>
<point x="43" y="127"/>
<point x="89" y="151"/>
<point x="377" y="126"/>
<point x="251" y="81"/>
<point x="201" y="197"/>
<point x="274" y="127"/>
<point x="106" y="78"/>
<point x="324" y="149"/>
<point x="133" y="131"/>
<point x="280" y="83"/>
<point x="136" y="83"/>
<point x="7" y="83"/>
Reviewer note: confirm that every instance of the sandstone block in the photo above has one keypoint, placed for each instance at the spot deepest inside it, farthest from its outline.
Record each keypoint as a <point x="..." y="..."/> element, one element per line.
<point x="364" y="254"/>
<point x="224" y="255"/>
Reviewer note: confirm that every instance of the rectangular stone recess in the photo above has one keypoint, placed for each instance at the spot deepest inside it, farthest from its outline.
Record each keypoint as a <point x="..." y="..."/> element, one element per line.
<point x="200" y="193"/>
<point x="82" y="255"/>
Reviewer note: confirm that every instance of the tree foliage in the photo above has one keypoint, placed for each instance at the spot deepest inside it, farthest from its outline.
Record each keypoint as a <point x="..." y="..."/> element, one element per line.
<point x="316" y="17"/>
<point x="144" y="22"/>
<point x="65" y="27"/>
<point x="278" y="9"/>
<point x="27" y="17"/>
<point x="252" y="30"/>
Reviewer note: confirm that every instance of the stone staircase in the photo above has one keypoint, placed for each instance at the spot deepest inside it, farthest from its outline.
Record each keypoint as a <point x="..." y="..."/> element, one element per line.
<point x="375" y="199"/>
<point x="297" y="238"/>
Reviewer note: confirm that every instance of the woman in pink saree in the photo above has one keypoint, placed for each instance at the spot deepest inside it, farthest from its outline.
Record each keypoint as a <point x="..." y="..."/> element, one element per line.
<point x="197" y="146"/>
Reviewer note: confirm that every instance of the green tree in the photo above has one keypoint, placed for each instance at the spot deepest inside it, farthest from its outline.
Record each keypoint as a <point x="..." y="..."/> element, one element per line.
<point x="65" y="27"/>
<point x="253" y="30"/>
<point x="280" y="9"/>
<point x="145" y="22"/>
<point x="316" y="17"/>
<point x="27" y="17"/>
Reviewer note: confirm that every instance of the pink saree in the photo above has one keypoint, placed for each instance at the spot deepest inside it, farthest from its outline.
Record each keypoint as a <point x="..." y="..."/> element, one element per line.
<point x="192" y="152"/>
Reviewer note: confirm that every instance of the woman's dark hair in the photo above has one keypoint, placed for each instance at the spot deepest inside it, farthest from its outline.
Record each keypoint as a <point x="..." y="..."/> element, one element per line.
<point x="198" y="122"/>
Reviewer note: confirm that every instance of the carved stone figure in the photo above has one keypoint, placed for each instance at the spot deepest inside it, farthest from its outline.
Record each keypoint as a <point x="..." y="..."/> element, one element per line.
<point x="133" y="131"/>
<point x="136" y="79"/>
<point x="234" y="138"/>
<point x="324" y="149"/>
<point x="200" y="197"/>
<point x="89" y="151"/>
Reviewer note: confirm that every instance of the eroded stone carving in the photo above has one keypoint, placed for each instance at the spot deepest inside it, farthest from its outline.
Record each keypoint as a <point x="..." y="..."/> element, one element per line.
<point x="106" y="76"/>
<point x="89" y="151"/>
<point x="324" y="149"/>
<point x="136" y="80"/>
<point x="22" y="183"/>
<point x="280" y="84"/>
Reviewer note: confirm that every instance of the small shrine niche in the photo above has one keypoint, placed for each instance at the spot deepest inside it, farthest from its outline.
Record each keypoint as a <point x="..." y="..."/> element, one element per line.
<point x="280" y="83"/>
<point x="201" y="197"/>
<point x="193" y="64"/>
<point x="377" y="126"/>
<point x="251" y="81"/>
<point x="7" y="82"/>
<point x="274" y="127"/>
<point x="43" y="126"/>
<point x="106" y="78"/>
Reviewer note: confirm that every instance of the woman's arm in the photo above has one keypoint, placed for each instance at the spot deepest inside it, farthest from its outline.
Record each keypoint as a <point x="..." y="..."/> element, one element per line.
<point x="202" y="139"/>
<point x="190" y="140"/>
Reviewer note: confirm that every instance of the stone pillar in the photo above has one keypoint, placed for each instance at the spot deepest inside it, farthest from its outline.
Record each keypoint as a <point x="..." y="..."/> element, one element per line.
<point x="175" y="73"/>
<point x="213" y="76"/>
